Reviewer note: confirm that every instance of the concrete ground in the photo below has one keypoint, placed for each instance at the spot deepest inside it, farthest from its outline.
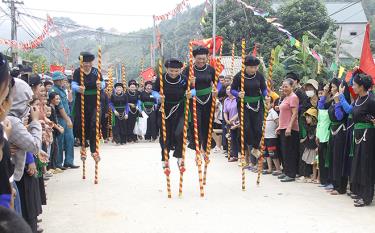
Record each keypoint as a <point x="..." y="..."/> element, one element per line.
<point x="131" y="198"/>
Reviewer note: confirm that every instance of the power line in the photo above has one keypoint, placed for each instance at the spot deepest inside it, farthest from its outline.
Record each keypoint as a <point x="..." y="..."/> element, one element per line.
<point x="90" y="13"/>
<point x="87" y="28"/>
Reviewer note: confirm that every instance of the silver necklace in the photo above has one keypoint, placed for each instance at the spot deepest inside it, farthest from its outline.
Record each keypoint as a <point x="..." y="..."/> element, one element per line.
<point x="179" y="79"/>
<point x="131" y="94"/>
<point x="205" y="68"/>
<point x="203" y="102"/>
<point x="250" y="77"/>
<point x="357" y="105"/>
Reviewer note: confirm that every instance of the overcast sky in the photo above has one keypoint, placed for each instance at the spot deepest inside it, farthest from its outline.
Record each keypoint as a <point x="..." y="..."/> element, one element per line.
<point x="143" y="9"/>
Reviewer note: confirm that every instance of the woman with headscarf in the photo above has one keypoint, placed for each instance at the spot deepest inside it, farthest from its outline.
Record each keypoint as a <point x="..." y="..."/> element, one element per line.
<point x="89" y="89"/>
<point x="175" y="88"/>
<point x="134" y="103"/>
<point x="204" y="77"/>
<point x="363" y="112"/>
<point x="119" y="106"/>
<point x="148" y="103"/>
<point x="255" y="90"/>
<point x="337" y="141"/>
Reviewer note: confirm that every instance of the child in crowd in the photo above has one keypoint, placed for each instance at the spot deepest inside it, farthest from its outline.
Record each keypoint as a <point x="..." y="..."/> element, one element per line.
<point x="271" y="141"/>
<point x="310" y="146"/>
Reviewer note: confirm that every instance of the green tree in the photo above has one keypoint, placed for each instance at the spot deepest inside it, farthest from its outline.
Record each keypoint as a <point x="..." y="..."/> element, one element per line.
<point x="235" y="22"/>
<point x="299" y="16"/>
<point x="35" y="59"/>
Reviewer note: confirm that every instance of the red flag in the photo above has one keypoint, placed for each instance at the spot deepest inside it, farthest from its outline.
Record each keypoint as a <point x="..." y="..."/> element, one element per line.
<point x="255" y="51"/>
<point x="209" y="43"/>
<point x="213" y="64"/>
<point x="348" y="76"/>
<point x="367" y="62"/>
<point x="147" y="74"/>
<point x="53" y="68"/>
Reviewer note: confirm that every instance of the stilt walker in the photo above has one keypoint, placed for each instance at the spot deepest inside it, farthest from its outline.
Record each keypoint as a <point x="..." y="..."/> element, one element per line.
<point x="96" y="155"/>
<point x="167" y="170"/>
<point x="243" y="163"/>
<point x="210" y="123"/>
<point x="266" y="109"/>
<point x="186" y="124"/>
<point x="198" y="159"/>
<point x="83" y="139"/>
<point x="87" y="85"/>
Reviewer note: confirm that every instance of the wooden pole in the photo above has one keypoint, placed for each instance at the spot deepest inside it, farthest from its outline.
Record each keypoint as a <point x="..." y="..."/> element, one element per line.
<point x="186" y="121"/>
<point x="109" y="92"/>
<point x="198" y="159"/>
<point x="123" y="77"/>
<point x="83" y="139"/>
<point x="266" y="109"/>
<point x="211" y="119"/>
<point x="243" y="163"/>
<point x="167" y="171"/>
<point x="97" y="121"/>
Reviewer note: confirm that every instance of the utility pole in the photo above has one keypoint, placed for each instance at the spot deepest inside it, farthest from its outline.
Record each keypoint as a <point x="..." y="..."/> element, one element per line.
<point x="214" y="28"/>
<point x="338" y="45"/>
<point x="13" y="27"/>
<point x="153" y="44"/>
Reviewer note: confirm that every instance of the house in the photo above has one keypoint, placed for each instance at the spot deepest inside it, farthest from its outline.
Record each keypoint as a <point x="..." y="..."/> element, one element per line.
<point x="352" y="18"/>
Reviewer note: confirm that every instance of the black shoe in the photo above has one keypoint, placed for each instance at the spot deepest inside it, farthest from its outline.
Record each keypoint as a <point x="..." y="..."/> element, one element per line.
<point x="71" y="166"/>
<point x="62" y="168"/>
<point x="360" y="203"/>
<point x="282" y="176"/>
<point x="288" y="179"/>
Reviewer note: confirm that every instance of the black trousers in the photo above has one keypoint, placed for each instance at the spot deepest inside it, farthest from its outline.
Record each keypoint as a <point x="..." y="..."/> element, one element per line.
<point x="234" y="145"/>
<point x="323" y="170"/>
<point x="341" y="184"/>
<point x="104" y="126"/>
<point x="290" y="152"/>
<point x="366" y="192"/>
<point x="119" y="130"/>
<point x="53" y="154"/>
<point x="174" y="133"/>
<point x="151" y="132"/>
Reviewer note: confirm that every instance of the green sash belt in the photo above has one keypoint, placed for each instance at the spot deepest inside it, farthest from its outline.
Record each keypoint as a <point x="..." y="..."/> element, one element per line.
<point x="363" y="125"/>
<point x="90" y="92"/>
<point x="147" y="104"/>
<point x="175" y="102"/>
<point x="252" y="99"/>
<point x="204" y="91"/>
<point x="336" y="123"/>
<point x="113" y="119"/>
<point x="179" y="102"/>
<point x="359" y="125"/>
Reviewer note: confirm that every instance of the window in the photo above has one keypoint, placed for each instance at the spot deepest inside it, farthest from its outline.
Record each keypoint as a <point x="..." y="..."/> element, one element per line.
<point x="353" y="33"/>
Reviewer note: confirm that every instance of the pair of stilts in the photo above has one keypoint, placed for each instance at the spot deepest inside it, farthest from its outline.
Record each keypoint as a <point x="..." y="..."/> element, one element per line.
<point x="95" y="155"/>
<point x="202" y="179"/>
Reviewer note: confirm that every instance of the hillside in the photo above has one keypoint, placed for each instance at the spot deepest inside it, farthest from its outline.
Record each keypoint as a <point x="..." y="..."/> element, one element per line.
<point x="132" y="47"/>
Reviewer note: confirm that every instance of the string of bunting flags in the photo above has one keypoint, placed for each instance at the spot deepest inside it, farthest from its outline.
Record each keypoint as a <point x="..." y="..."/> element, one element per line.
<point x="293" y="41"/>
<point x="180" y="7"/>
<point x="204" y="13"/>
<point x="25" y="46"/>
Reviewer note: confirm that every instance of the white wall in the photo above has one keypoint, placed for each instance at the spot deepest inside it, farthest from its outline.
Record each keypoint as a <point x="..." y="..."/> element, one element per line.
<point x="355" y="41"/>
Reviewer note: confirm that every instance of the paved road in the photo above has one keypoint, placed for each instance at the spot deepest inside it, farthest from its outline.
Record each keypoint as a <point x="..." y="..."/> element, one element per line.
<point x="131" y="198"/>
